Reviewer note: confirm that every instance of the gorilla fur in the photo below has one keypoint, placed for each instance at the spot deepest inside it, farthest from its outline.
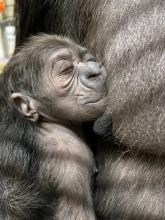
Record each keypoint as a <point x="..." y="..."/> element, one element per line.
<point x="128" y="36"/>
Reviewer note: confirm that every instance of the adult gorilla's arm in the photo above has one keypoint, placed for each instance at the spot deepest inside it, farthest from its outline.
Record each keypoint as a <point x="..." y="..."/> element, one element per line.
<point x="66" y="17"/>
<point x="24" y="16"/>
<point x="33" y="17"/>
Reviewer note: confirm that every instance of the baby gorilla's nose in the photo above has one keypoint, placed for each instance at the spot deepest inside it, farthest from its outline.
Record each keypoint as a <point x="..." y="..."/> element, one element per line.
<point x="90" y="70"/>
<point x="91" y="75"/>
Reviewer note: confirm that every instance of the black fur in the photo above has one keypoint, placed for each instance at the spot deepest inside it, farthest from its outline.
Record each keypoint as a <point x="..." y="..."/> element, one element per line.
<point x="21" y="196"/>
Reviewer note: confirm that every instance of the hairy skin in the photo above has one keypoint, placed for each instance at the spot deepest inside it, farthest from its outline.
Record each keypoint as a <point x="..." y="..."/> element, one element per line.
<point x="128" y="35"/>
<point x="21" y="194"/>
<point x="48" y="89"/>
<point x="67" y="166"/>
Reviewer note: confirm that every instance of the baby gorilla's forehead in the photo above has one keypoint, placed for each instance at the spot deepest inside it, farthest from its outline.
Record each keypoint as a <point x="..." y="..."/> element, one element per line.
<point x="68" y="53"/>
<point x="63" y="53"/>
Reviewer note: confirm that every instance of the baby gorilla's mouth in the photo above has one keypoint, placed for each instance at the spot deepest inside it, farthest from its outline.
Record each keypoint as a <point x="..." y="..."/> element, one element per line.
<point x="93" y="98"/>
<point x="92" y="101"/>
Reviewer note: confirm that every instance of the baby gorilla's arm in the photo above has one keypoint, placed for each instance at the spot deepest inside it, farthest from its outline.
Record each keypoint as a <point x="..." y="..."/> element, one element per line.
<point x="67" y="169"/>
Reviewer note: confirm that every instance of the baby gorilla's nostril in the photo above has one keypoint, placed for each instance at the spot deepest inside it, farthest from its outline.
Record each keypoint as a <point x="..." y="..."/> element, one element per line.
<point x="93" y="75"/>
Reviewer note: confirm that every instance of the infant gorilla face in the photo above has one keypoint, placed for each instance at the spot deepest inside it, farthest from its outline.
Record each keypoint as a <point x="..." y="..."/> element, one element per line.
<point x="76" y="84"/>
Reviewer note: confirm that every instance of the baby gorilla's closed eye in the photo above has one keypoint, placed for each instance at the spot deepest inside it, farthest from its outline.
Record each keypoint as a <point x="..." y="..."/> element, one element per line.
<point x="93" y="75"/>
<point x="67" y="69"/>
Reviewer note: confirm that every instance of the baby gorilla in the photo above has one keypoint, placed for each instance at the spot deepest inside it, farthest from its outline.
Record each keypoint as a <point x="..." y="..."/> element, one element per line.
<point x="52" y="85"/>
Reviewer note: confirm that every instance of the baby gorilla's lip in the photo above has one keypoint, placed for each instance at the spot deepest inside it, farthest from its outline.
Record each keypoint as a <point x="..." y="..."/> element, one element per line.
<point x="92" y="101"/>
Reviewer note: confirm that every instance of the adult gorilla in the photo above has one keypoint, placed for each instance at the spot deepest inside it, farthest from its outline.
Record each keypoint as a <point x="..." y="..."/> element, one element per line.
<point x="129" y="36"/>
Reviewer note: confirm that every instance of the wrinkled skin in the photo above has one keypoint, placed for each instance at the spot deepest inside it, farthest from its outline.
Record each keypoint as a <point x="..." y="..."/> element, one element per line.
<point x="128" y="36"/>
<point x="75" y="80"/>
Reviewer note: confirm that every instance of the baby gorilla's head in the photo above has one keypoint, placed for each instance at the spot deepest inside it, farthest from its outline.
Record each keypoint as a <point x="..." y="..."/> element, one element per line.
<point x="57" y="79"/>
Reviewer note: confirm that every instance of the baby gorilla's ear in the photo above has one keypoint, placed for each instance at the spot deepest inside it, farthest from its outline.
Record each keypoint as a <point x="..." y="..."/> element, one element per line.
<point x="27" y="106"/>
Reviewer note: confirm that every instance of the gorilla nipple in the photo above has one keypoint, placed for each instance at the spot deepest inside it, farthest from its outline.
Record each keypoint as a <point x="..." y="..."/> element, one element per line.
<point x="103" y="125"/>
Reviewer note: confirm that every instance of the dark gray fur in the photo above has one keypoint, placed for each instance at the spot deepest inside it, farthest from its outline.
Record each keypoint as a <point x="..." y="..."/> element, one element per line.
<point x="129" y="36"/>
<point x="35" y="183"/>
<point x="21" y="194"/>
